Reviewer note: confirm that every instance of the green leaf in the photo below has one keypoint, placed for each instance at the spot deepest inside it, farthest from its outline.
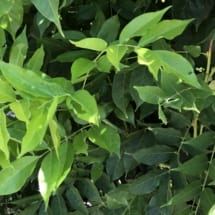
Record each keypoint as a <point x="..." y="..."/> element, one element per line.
<point x="2" y="43"/>
<point x="13" y="17"/>
<point x="167" y="29"/>
<point x="169" y="62"/>
<point x="191" y="191"/>
<point x="153" y="155"/>
<point x="140" y="23"/>
<point x="150" y="94"/>
<point x="103" y="64"/>
<point x="96" y="171"/>
<point x="37" y="126"/>
<point x="88" y="190"/>
<point x="195" y="166"/>
<point x="80" y="69"/>
<point x="74" y="200"/>
<point x="58" y="205"/>
<point x="145" y="184"/>
<point x="54" y="170"/>
<point x="6" y="6"/>
<point x="79" y="143"/>
<point x="84" y="106"/>
<point x="4" y="135"/>
<point x="105" y="137"/>
<point x="207" y="199"/>
<point x="29" y="82"/>
<point x="36" y="61"/>
<point x="55" y="134"/>
<point x="49" y="9"/>
<point x="21" y="109"/>
<point x="194" y="51"/>
<point x="115" y="53"/>
<point x="19" y="49"/>
<point x="15" y="176"/>
<point x="6" y="92"/>
<point x="95" y="44"/>
<point x="161" y="115"/>
<point x="110" y="25"/>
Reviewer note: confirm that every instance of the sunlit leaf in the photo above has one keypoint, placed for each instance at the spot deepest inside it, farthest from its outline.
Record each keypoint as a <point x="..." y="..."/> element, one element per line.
<point x="105" y="137"/>
<point x="95" y="44"/>
<point x="15" y="176"/>
<point x="54" y="170"/>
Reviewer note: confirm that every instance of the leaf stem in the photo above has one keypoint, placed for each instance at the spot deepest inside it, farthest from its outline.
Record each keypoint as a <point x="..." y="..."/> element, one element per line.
<point x="209" y="56"/>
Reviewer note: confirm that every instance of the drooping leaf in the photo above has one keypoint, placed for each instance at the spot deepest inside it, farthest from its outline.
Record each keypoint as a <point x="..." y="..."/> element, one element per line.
<point x="105" y="137"/>
<point x="18" y="50"/>
<point x="36" y="61"/>
<point x="15" y="176"/>
<point x="80" y="69"/>
<point x="84" y="106"/>
<point x="54" y="170"/>
<point x="140" y="23"/>
<point x="29" y="82"/>
<point x="49" y="9"/>
<point x="96" y="44"/>
<point x="169" y="62"/>
<point x="4" y="135"/>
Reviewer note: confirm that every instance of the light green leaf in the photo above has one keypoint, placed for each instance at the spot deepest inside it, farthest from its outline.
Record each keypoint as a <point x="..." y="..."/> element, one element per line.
<point x="169" y="62"/>
<point x="79" y="143"/>
<point x="37" y="126"/>
<point x="36" y="61"/>
<point x="140" y="23"/>
<point x="96" y="171"/>
<point x="84" y="106"/>
<point x="105" y="137"/>
<point x="103" y="64"/>
<point x="115" y="53"/>
<point x="19" y="49"/>
<point x="55" y="134"/>
<point x="6" y="92"/>
<point x="151" y="94"/>
<point x="6" y="6"/>
<point x="161" y="115"/>
<point x="12" y="19"/>
<point x="4" y="135"/>
<point x="167" y="29"/>
<point x="54" y="170"/>
<point x="49" y="9"/>
<point x="29" y="82"/>
<point x="195" y="166"/>
<point x="21" y="109"/>
<point x="96" y="44"/>
<point x="153" y="155"/>
<point x="80" y="69"/>
<point x="191" y="191"/>
<point x="15" y="176"/>
<point x="110" y="25"/>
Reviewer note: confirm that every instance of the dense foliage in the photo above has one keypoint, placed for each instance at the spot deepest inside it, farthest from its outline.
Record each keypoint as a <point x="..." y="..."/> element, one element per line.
<point x="107" y="107"/>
